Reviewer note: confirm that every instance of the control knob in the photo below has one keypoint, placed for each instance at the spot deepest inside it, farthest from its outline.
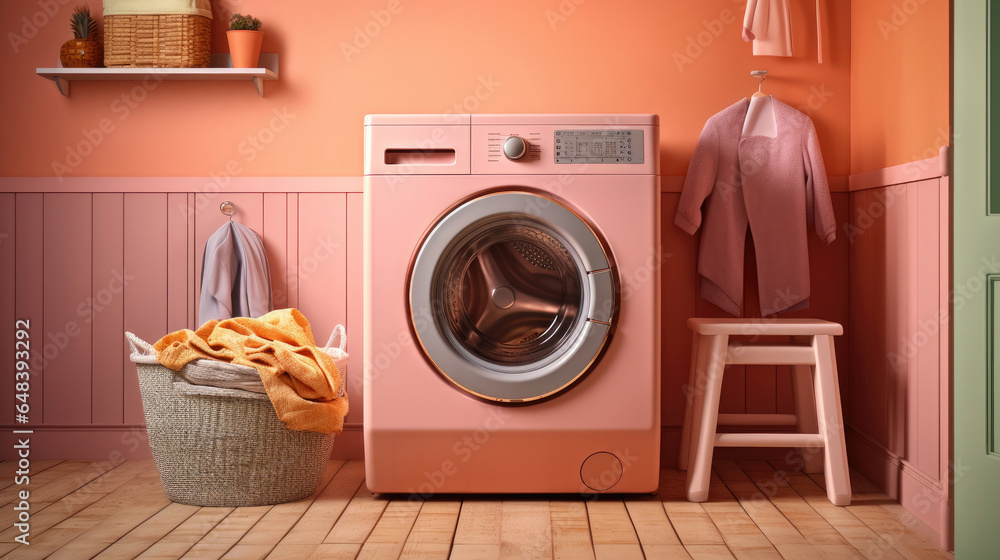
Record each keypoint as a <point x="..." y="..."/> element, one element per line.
<point x="515" y="148"/>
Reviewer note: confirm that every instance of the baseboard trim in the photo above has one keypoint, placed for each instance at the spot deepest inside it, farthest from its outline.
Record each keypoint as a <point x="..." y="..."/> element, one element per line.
<point x="79" y="443"/>
<point x="921" y="494"/>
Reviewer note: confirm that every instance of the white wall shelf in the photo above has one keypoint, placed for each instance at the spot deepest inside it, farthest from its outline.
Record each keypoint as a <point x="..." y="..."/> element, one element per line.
<point x="220" y="70"/>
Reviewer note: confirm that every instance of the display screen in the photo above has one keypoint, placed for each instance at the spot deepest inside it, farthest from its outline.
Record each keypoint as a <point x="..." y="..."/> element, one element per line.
<point x="598" y="146"/>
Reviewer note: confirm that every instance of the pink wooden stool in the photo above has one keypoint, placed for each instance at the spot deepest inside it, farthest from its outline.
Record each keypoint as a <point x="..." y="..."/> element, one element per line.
<point x="817" y="415"/>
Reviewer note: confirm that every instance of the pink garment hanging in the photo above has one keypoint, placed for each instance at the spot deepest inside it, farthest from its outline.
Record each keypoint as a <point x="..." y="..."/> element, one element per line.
<point x="768" y="24"/>
<point x="777" y="187"/>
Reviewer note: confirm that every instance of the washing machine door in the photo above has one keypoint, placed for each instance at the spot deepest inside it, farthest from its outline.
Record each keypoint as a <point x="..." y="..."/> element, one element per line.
<point x="513" y="296"/>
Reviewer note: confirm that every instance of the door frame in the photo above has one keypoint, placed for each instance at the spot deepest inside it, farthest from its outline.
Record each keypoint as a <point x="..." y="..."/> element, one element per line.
<point x="975" y="472"/>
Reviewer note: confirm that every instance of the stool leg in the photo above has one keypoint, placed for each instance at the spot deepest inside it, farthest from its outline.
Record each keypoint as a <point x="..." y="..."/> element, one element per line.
<point x="805" y="411"/>
<point x="831" y="422"/>
<point x="705" y="416"/>
<point x="689" y="394"/>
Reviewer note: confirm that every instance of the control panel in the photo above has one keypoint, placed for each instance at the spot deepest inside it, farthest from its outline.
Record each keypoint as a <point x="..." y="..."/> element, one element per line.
<point x="514" y="146"/>
<point x="625" y="148"/>
<point x="598" y="146"/>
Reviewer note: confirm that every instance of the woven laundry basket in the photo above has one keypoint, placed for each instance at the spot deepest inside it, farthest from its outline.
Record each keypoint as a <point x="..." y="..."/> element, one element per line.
<point x="157" y="40"/>
<point x="228" y="449"/>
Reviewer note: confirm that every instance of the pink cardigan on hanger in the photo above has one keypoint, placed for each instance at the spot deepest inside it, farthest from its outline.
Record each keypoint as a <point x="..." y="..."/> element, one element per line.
<point x="776" y="186"/>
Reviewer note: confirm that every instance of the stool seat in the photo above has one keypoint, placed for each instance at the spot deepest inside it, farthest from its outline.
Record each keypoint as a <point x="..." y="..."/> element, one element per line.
<point x="765" y="327"/>
<point x="818" y="417"/>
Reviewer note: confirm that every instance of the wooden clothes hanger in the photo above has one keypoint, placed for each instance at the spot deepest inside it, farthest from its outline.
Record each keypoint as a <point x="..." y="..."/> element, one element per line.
<point x="760" y="75"/>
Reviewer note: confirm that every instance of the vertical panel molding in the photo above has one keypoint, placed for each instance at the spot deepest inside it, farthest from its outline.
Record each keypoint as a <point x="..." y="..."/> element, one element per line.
<point x="992" y="384"/>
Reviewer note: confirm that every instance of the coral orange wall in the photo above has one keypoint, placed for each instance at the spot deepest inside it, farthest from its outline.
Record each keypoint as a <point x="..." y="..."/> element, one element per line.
<point x="899" y="81"/>
<point x="339" y="61"/>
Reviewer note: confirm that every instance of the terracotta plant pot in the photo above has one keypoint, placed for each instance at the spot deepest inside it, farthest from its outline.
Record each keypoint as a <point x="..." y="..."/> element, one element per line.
<point x="244" y="47"/>
<point x="81" y="53"/>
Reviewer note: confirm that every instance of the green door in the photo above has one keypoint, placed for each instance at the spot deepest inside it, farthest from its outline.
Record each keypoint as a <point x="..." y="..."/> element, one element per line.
<point x="976" y="288"/>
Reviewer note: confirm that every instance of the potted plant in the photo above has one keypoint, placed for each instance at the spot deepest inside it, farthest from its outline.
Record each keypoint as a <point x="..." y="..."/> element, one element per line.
<point x="83" y="51"/>
<point x="244" y="37"/>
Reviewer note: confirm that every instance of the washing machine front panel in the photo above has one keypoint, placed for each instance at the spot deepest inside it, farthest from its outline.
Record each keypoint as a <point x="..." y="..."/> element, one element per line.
<point x="512" y="296"/>
<point x="422" y="434"/>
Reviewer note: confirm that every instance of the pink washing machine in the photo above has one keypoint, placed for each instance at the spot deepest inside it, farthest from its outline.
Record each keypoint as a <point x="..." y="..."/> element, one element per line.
<point x="512" y="303"/>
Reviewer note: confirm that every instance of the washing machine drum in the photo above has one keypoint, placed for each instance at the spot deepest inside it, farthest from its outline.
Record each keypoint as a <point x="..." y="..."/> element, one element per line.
<point x="513" y="296"/>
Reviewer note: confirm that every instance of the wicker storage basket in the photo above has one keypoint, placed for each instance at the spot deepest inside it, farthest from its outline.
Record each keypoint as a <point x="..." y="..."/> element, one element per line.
<point x="159" y="41"/>
<point x="225" y="450"/>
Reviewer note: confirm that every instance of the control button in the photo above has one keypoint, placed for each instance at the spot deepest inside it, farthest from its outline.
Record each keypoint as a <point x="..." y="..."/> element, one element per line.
<point x="515" y="148"/>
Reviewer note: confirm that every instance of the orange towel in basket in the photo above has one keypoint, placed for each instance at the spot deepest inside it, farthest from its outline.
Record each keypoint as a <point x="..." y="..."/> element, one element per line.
<point x="301" y="379"/>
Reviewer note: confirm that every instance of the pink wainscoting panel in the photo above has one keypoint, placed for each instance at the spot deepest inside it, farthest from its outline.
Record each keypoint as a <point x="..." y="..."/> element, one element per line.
<point x="855" y="398"/>
<point x="759" y="391"/>
<point x="677" y="303"/>
<point x="355" y="311"/>
<point x="876" y="387"/>
<point x="8" y="296"/>
<point x="179" y="261"/>
<point x="106" y="310"/>
<point x="192" y="268"/>
<point x="946" y="521"/>
<point x="292" y="253"/>
<point x="830" y="273"/>
<point x="321" y="271"/>
<point x="829" y="298"/>
<point x="67" y="242"/>
<point x="30" y="304"/>
<point x="733" y="399"/>
<point x="784" y="399"/>
<point x="924" y="338"/>
<point x="275" y="235"/>
<point x="209" y="218"/>
<point x="897" y="294"/>
<point x="762" y="389"/>
<point x="146" y="272"/>
<point x="899" y="284"/>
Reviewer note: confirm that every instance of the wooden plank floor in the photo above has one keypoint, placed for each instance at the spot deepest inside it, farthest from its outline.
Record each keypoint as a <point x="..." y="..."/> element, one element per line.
<point x="114" y="511"/>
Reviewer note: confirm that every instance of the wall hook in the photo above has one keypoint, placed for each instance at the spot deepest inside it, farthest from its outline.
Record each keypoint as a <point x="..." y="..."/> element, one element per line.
<point x="228" y="208"/>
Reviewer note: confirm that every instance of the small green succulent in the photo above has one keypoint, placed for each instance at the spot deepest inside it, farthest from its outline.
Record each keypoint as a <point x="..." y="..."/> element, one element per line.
<point x="83" y="25"/>
<point x="240" y="22"/>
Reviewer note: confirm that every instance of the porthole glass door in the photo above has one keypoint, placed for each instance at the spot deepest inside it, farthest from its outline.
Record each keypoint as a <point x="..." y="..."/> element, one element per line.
<point x="512" y="296"/>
